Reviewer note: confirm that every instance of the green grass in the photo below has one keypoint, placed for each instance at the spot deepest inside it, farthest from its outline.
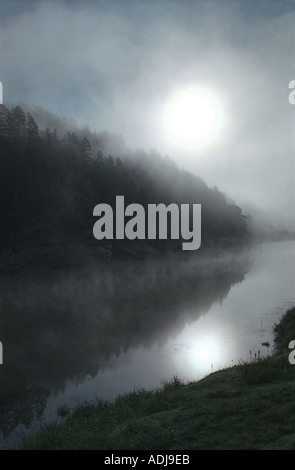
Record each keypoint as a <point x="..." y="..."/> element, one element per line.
<point x="247" y="406"/>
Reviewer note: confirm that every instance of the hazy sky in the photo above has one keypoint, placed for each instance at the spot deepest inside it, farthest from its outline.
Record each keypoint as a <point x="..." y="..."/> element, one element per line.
<point x="114" y="64"/>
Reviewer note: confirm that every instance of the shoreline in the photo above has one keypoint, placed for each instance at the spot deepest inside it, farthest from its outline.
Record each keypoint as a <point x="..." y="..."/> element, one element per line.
<point x="245" y="406"/>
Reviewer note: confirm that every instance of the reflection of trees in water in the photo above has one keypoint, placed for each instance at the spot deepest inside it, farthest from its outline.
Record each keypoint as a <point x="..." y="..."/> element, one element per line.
<point x="21" y="407"/>
<point x="55" y="325"/>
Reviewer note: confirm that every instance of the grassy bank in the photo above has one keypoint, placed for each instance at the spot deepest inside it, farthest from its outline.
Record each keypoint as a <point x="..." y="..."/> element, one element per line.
<point x="248" y="406"/>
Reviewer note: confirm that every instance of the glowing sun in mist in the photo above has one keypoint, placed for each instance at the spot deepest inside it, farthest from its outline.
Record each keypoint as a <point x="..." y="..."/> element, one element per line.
<point x="193" y="118"/>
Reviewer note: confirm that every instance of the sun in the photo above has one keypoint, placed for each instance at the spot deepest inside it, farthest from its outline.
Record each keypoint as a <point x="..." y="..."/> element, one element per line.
<point x="193" y="117"/>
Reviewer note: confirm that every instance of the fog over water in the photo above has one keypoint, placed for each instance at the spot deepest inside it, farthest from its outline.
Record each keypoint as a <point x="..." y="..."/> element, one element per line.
<point x="84" y="319"/>
<point x="77" y="335"/>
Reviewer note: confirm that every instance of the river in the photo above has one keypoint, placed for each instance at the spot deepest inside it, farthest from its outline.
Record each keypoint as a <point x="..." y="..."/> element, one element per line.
<point x="71" y="336"/>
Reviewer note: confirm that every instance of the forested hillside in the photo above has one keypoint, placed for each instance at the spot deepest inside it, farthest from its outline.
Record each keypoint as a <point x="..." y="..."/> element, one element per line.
<point x="50" y="183"/>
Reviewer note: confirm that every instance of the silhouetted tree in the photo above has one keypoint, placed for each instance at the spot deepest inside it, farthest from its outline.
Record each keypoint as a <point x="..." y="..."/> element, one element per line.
<point x="55" y="181"/>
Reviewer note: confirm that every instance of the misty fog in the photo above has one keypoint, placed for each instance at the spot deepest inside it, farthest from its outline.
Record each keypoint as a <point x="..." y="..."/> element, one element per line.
<point x="97" y="108"/>
<point x="112" y="65"/>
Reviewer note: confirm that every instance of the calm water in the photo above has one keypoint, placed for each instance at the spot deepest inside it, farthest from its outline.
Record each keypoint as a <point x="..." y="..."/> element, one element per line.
<point x="72" y="336"/>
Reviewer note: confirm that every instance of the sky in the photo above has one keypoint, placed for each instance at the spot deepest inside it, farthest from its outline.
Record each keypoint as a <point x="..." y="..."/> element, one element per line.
<point x="115" y="64"/>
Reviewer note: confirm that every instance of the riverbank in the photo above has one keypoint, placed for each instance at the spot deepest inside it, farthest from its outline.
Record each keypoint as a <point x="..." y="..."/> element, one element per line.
<point x="247" y="406"/>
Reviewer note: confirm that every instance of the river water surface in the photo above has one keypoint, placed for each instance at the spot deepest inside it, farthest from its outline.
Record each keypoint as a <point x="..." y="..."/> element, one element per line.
<point x="72" y="336"/>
